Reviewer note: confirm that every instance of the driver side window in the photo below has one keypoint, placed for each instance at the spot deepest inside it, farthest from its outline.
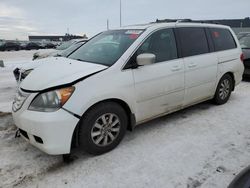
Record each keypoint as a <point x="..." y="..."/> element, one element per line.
<point x="161" y="43"/>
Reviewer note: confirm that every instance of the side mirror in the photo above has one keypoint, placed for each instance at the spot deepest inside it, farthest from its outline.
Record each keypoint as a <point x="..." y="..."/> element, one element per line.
<point x="145" y="59"/>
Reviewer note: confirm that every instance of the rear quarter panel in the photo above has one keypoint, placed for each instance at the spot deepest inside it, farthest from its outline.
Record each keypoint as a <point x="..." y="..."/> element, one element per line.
<point x="229" y="61"/>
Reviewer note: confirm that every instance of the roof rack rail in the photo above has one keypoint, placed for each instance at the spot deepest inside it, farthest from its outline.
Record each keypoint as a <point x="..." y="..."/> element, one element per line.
<point x="165" y="20"/>
<point x="173" y="20"/>
<point x="185" y="21"/>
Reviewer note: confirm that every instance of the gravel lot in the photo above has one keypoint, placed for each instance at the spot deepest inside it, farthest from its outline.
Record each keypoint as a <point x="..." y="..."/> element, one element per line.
<point x="202" y="146"/>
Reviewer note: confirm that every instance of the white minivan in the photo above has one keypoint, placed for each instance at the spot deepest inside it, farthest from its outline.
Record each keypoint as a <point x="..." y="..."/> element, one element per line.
<point x="122" y="78"/>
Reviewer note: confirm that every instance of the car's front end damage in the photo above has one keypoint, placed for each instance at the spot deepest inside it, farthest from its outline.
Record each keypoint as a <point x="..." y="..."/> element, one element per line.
<point x="51" y="132"/>
<point x="38" y="108"/>
<point x="21" y="74"/>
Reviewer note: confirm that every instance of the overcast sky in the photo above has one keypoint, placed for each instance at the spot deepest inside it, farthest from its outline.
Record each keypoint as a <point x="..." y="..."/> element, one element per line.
<point x="20" y="18"/>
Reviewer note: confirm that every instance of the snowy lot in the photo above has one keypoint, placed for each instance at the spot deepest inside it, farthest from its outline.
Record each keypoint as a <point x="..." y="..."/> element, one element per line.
<point x="202" y="146"/>
<point x="7" y="80"/>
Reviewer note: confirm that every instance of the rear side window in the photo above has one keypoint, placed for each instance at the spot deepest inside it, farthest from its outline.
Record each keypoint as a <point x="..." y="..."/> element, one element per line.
<point x="193" y="41"/>
<point x="223" y="39"/>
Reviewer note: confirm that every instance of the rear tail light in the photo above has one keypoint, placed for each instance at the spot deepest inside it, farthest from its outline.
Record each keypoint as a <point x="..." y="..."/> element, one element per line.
<point x="242" y="57"/>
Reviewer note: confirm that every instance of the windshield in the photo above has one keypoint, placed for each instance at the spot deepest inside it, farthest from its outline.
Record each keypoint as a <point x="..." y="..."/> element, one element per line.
<point x="107" y="47"/>
<point x="245" y="42"/>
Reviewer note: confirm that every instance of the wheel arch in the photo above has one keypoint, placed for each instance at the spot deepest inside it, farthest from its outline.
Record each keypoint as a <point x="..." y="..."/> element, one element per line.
<point x="233" y="78"/>
<point x="123" y="104"/>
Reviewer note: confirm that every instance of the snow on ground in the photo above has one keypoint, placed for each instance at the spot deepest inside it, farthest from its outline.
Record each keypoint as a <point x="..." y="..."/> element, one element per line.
<point x="21" y="55"/>
<point x="202" y="146"/>
<point x="7" y="80"/>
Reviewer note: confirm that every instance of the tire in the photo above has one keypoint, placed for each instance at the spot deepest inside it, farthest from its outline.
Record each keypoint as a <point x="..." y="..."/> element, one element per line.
<point x="223" y="90"/>
<point x="102" y="128"/>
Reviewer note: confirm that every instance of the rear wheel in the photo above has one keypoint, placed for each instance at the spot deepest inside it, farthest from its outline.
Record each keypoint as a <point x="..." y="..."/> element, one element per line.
<point x="223" y="90"/>
<point x="102" y="128"/>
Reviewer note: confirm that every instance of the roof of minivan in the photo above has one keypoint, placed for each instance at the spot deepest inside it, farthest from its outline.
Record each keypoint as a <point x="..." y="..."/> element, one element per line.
<point x="172" y="24"/>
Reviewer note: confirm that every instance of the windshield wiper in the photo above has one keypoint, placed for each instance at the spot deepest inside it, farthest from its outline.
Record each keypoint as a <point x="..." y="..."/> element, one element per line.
<point x="80" y="60"/>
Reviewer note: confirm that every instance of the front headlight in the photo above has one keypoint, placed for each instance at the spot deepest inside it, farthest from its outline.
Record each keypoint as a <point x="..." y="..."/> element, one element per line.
<point x="51" y="101"/>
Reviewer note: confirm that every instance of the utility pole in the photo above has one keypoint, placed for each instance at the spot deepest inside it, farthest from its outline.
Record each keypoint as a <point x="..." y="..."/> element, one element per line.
<point x="120" y="13"/>
<point x="107" y="24"/>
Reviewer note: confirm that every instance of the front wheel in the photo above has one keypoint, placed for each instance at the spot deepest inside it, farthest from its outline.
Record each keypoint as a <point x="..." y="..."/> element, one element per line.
<point x="102" y="128"/>
<point x="223" y="90"/>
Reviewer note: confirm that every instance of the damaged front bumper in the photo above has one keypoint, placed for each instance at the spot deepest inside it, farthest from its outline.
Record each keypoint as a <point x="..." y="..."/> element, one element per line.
<point x="50" y="132"/>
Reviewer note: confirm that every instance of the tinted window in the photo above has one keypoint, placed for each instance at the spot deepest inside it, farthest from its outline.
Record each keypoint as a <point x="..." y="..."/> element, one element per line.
<point x="193" y="41"/>
<point x="162" y="44"/>
<point x="223" y="39"/>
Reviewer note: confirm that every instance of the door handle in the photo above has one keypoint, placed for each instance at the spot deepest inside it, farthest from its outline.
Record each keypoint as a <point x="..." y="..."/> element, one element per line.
<point x="192" y="65"/>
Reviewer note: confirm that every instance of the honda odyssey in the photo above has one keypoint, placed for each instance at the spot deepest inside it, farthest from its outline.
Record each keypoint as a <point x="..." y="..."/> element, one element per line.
<point x="122" y="78"/>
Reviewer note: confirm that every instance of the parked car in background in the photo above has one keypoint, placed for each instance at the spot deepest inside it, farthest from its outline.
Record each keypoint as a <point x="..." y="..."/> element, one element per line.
<point x="49" y="45"/>
<point x="9" y="46"/>
<point x="242" y="34"/>
<point x="245" y="45"/>
<point x="60" y="48"/>
<point x="33" y="46"/>
<point x="122" y="78"/>
<point x="23" y="45"/>
<point x="69" y="50"/>
<point x="21" y="72"/>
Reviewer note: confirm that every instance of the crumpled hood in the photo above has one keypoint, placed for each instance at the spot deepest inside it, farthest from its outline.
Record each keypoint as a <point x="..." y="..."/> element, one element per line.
<point x="58" y="71"/>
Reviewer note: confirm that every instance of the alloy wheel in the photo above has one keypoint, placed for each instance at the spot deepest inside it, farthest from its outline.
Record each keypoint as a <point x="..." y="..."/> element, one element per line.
<point x="106" y="129"/>
<point x="224" y="90"/>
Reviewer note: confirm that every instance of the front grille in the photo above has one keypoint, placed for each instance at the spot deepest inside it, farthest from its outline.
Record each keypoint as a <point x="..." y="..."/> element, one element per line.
<point x="24" y="133"/>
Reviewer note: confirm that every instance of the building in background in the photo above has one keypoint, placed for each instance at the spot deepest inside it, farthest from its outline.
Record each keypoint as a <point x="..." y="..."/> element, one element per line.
<point x="56" y="38"/>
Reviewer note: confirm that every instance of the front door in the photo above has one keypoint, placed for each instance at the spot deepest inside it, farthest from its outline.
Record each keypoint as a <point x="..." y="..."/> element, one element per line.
<point x="159" y="87"/>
